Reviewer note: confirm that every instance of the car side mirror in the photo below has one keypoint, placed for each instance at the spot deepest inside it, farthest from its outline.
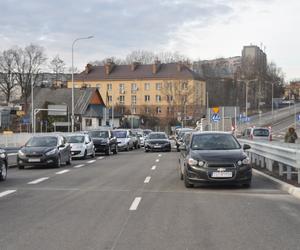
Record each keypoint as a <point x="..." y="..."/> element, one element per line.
<point x="246" y="146"/>
<point x="182" y="147"/>
<point x="61" y="146"/>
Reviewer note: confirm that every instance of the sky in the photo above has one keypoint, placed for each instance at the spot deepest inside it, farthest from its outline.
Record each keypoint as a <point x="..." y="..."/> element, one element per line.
<point x="199" y="29"/>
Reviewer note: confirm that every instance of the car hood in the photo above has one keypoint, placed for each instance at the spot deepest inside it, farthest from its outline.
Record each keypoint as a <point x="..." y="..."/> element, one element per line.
<point x="218" y="155"/>
<point x="76" y="145"/>
<point x="99" y="140"/>
<point x="36" y="150"/>
<point x="123" y="140"/>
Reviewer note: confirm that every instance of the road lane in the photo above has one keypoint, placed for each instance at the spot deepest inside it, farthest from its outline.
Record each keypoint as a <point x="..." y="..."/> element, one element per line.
<point x="107" y="205"/>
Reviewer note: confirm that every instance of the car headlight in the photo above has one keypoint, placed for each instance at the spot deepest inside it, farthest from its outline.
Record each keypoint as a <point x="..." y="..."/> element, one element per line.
<point x="192" y="162"/>
<point x="2" y="154"/>
<point x="245" y="161"/>
<point x="51" y="152"/>
<point x="201" y="163"/>
<point x="21" y="153"/>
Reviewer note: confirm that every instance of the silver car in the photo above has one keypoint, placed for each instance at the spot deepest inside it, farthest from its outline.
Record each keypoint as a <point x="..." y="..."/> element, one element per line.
<point x="124" y="138"/>
<point x="82" y="145"/>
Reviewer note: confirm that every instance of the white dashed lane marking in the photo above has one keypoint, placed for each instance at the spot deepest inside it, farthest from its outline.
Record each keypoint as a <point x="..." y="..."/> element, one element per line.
<point x="157" y="160"/>
<point x="159" y="155"/>
<point x="135" y="203"/>
<point x="38" y="180"/>
<point x="91" y="161"/>
<point x="147" y="180"/>
<point x="63" y="171"/>
<point x="79" y="166"/>
<point x="153" y="167"/>
<point x="7" y="192"/>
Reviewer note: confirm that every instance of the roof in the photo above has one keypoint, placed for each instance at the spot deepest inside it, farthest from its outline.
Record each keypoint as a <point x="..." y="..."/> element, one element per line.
<point x="141" y="71"/>
<point x="62" y="96"/>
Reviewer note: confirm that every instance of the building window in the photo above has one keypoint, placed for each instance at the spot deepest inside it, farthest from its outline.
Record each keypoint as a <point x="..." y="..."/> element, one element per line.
<point x="147" y="110"/>
<point x="88" y="85"/>
<point x="99" y="122"/>
<point x="88" y="122"/>
<point x="98" y="86"/>
<point x="133" y="110"/>
<point x="184" y="86"/>
<point x="158" y="98"/>
<point x="158" y="86"/>
<point x="147" y="98"/>
<point x="110" y="99"/>
<point x="133" y="87"/>
<point x="168" y="86"/>
<point x="122" y="88"/>
<point x="169" y="98"/>
<point x="133" y="99"/>
<point x="109" y="87"/>
<point x="147" y="86"/>
<point x="122" y="99"/>
<point x="158" y="110"/>
<point x="183" y="99"/>
<point x="122" y="110"/>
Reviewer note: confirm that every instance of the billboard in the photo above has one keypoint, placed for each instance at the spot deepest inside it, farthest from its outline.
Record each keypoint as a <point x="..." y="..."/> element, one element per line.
<point x="58" y="110"/>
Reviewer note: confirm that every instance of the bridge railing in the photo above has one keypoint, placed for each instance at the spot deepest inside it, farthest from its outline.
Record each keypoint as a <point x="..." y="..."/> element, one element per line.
<point x="284" y="155"/>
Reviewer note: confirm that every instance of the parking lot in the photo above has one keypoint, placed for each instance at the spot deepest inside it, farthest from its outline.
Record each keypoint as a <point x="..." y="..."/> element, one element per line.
<point x="135" y="200"/>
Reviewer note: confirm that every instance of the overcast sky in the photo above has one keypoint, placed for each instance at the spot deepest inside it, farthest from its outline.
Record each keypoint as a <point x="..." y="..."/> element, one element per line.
<point x="200" y="29"/>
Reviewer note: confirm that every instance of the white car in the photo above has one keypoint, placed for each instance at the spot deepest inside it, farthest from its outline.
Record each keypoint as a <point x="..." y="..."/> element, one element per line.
<point x="257" y="134"/>
<point x="82" y="145"/>
<point x="124" y="138"/>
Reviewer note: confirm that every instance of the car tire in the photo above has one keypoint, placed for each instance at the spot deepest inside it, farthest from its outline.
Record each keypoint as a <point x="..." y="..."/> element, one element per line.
<point x="3" y="173"/>
<point x="108" y="151"/>
<point x="187" y="184"/>
<point x="58" y="163"/>
<point x="85" y="154"/>
<point x="178" y="150"/>
<point x="127" y="148"/>
<point x="247" y="185"/>
<point x="93" y="154"/>
<point x="21" y="167"/>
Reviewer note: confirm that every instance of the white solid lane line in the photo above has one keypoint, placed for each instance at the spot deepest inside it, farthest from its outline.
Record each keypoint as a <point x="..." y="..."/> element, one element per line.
<point x="7" y="192"/>
<point x="100" y="158"/>
<point x="63" y="171"/>
<point x="38" y="180"/>
<point x="153" y="167"/>
<point x="135" y="203"/>
<point x="79" y="166"/>
<point x="147" y="180"/>
<point x="91" y="161"/>
<point x="157" y="160"/>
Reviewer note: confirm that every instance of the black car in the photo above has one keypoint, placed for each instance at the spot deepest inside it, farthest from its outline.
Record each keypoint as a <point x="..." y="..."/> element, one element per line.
<point x="157" y="141"/>
<point x="3" y="165"/>
<point x="50" y="150"/>
<point x="104" y="141"/>
<point x="214" y="157"/>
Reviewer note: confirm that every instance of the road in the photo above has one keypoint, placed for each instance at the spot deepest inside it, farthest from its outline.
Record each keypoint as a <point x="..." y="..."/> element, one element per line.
<point x="111" y="204"/>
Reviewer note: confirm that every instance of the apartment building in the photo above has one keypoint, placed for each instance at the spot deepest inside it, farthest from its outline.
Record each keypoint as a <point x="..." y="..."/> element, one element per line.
<point x="163" y="90"/>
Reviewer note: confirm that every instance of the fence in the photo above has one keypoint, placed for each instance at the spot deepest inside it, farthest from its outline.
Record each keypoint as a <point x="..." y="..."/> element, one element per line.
<point x="265" y="155"/>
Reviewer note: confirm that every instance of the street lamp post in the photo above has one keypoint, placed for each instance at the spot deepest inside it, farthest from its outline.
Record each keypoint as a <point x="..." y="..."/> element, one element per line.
<point x="73" y="44"/>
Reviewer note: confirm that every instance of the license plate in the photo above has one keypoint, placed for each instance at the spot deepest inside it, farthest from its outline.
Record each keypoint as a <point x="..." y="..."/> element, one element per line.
<point x="34" y="160"/>
<point x="157" y="146"/>
<point x="221" y="174"/>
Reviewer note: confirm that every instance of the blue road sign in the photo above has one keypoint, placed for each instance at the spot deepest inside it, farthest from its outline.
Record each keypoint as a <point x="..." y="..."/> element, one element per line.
<point x="298" y="117"/>
<point x="215" y="117"/>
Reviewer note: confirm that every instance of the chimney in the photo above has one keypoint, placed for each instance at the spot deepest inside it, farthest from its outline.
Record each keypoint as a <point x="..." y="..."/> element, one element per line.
<point x="109" y="65"/>
<point x="134" y="65"/>
<point x="155" y="66"/>
<point x="88" y="68"/>
<point x="179" y="66"/>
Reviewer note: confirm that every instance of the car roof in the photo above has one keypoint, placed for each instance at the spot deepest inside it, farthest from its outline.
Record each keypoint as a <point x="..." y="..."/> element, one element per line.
<point x="212" y="132"/>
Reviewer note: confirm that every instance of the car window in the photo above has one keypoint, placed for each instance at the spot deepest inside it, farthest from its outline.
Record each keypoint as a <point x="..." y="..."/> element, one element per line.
<point x="99" y="134"/>
<point x="157" y="136"/>
<point x="120" y="134"/>
<point x="42" y="142"/>
<point x="261" y="132"/>
<point x="75" y="139"/>
<point x="214" y="142"/>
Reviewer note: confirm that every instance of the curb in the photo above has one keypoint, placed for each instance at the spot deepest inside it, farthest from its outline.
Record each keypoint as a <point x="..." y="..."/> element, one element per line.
<point x="292" y="190"/>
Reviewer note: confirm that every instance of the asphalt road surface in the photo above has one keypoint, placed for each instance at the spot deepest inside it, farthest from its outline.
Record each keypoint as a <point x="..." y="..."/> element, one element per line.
<point x="135" y="201"/>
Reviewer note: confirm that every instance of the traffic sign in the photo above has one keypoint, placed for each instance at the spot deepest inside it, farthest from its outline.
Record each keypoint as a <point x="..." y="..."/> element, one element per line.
<point x="298" y="117"/>
<point x="216" y="109"/>
<point x="215" y="117"/>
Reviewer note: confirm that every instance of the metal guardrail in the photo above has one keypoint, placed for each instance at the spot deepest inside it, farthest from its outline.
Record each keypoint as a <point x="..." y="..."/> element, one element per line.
<point x="265" y="154"/>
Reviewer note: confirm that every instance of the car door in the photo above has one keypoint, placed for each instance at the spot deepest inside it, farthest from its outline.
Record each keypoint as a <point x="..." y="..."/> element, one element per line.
<point x="63" y="149"/>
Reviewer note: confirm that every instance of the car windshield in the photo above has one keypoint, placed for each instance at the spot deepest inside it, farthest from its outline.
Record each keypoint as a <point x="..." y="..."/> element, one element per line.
<point x="42" y="142"/>
<point x="75" y="139"/>
<point x="214" y="142"/>
<point x="99" y="134"/>
<point x="157" y="136"/>
<point x="120" y="134"/>
<point x="261" y="132"/>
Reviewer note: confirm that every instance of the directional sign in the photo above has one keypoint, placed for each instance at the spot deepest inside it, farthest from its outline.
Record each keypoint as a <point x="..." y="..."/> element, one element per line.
<point x="215" y="117"/>
<point x="216" y="109"/>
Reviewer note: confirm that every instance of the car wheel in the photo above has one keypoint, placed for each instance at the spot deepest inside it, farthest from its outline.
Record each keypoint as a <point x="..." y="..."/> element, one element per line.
<point x="85" y="154"/>
<point x="178" y="150"/>
<point x="68" y="162"/>
<point x="93" y="154"/>
<point x="58" y="163"/>
<point x="187" y="184"/>
<point x="108" y="151"/>
<point x="20" y="167"/>
<point x="127" y="149"/>
<point x="3" y="174"/>
<point x="247" y="185"/>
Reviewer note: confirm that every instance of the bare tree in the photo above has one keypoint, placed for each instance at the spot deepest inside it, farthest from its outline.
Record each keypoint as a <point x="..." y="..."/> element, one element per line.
<point x="141" y="56"/>
<point x="57" y="65"/>
<point x="116" y="60"/>
<point x="28" y="65"/>
<point x="7" y="77"/>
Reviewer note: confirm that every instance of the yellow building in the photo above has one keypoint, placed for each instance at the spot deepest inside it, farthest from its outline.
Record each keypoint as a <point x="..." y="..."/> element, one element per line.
<point x="163" y="90"/>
